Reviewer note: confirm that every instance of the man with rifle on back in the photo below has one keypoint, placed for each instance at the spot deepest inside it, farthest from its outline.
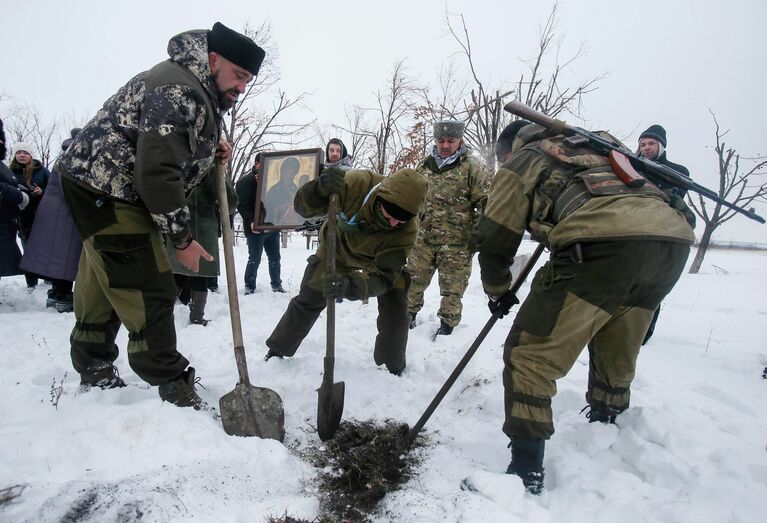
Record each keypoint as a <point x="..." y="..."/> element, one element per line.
<point x="618" y="246"/>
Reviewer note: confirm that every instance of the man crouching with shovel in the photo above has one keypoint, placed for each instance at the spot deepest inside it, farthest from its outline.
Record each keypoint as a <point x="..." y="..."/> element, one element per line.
<point x="374" y="234"/>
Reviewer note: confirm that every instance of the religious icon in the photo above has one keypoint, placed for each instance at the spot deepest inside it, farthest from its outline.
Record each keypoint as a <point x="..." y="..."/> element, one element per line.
<point x="282" y="174"/>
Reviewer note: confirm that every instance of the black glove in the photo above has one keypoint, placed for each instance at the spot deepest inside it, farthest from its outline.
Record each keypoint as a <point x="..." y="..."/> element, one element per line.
<point x="334" y="285"/>
<point x="331" y="181"/>
<point x="503" y="304"/>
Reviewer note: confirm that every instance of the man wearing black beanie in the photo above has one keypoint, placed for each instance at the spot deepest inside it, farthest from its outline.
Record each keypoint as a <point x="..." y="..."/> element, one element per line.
<point x="652" y="145"/>
<point x="125" y="177"/>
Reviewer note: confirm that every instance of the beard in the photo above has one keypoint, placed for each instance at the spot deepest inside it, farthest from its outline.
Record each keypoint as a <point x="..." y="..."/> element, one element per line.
<point x="224" y="101"/>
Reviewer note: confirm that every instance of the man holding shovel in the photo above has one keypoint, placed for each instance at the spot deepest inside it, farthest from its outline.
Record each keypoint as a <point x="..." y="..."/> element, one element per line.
<point x="375" y="232"/>
<point x="616" y="251"/>
<point x="125" y="179"/>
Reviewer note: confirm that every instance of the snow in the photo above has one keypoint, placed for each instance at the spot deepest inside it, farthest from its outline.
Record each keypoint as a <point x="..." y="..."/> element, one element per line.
<point x="690" y="448"/>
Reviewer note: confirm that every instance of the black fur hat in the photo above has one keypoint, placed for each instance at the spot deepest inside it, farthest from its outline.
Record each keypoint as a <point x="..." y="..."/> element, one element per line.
<point x="235" y="47"/>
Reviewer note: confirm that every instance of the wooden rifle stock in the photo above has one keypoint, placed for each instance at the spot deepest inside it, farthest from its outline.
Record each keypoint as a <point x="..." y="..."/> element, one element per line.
<point x="624" y="170"/>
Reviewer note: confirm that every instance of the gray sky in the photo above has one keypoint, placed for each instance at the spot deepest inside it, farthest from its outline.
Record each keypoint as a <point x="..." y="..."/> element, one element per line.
<point x="667" y="62"/>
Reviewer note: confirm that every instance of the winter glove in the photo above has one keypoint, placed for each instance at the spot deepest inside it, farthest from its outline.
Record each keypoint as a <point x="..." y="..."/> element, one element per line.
<point x="331" y="181"/>
<point x="334" y="286"/>
<point x="502" y="304"/>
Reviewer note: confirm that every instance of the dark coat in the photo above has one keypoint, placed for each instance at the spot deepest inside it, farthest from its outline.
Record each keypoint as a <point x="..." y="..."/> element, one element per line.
<point x="10" y="198"/>
<point x="54" y="245"/>
<point x="204" y="224"/>
<point x="247" y="188"/>
<point x="39" y="177"/>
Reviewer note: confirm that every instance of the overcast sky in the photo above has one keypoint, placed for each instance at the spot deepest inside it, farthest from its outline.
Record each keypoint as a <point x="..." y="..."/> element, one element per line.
<point x="666" y="62"/>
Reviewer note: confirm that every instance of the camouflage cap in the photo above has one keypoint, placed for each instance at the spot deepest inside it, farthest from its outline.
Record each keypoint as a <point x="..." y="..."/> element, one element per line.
<point x="448" y="129"/>
<point x="235" y="47"/>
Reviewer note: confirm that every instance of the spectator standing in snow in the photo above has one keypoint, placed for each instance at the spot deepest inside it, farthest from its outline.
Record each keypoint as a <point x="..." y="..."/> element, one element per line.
<point x="125" y="179"/>
<point x="54" y="245"/>
<point x="12" y="201"/>
<point x="258" y="241"/>
<point x="615" y="253"/>
<point x="336" y="155"/>
<point x="652" y="145"/>
<point x="458" y="187"/>
<point x="204" y="225"/>
<point x="376" y="229"/>
<point x="34" y="177"/>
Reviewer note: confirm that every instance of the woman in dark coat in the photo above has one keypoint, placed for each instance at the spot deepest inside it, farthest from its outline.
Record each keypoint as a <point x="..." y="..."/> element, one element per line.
<point x="12" y="200"/>
<point x="34" y="177"/>
<point x="54" y="245"/>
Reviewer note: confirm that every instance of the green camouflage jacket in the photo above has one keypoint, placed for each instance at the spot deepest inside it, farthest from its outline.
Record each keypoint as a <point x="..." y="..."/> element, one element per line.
<point x="372" y="252"/>
<point x="457" y="194"/>
<point x="155" y="139"/>
<point x="520" y="199"/>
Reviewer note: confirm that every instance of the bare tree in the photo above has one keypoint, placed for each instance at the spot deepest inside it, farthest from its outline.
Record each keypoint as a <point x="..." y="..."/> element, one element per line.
<point x="541" y="87"/>
<point x="391" y="117"/>
<point x="737" y="184"/>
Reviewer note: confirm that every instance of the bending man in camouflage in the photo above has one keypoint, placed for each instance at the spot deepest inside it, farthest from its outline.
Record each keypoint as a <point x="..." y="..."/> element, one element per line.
<point x="615" y="253"/>
<point x="125" y="178"/>
<point x="457" y="192"/>
<point x="375" y="232"/>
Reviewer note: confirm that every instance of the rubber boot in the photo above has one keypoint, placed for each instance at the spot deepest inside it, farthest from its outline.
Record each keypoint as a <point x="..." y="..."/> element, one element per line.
<point x="527" y="463"/>
<point x="197" y="308"/>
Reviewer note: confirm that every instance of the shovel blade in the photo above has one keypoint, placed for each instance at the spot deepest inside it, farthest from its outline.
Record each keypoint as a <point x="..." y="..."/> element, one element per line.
<point x="330" y="407"/>
<point x="253" y="411"/>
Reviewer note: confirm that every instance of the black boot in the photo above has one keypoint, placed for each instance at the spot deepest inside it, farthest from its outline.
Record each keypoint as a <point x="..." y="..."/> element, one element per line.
<point x="181" y="391"/>
<point x="601" y="415"/>
<point x="50" y="301"/>
<point x="101" y="374"/>
<point x="197" y="308"/>
<point x="65" y="302"/>
<point x="412" y="320"/>
<point x="527" y="463"/>
<point x="444" y="329"/>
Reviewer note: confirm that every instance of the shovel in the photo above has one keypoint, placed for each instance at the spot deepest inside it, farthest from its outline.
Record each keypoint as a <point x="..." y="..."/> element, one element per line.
<point x="412" y="433"/>
<point x="330" y="405"/>
<point x="247" y="410"/>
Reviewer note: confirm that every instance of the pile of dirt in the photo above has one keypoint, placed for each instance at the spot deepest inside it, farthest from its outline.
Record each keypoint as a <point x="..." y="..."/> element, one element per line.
<point x="361" y="464"/>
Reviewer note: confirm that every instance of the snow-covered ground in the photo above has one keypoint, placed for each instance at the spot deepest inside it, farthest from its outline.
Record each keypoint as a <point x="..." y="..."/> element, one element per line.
<point x="690" y="448"/>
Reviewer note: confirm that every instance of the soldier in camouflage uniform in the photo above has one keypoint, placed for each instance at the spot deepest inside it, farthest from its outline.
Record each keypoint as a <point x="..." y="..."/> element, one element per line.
<point x="125" y="179"/>
<point x="375" y="232"/>
<point x="458" y="186"/>
<point x="615" y="253"/>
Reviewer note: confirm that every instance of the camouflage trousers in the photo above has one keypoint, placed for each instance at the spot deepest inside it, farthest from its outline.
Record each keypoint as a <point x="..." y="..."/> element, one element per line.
<point x="607" y="303"/>
<point x="304" y="309"/>
<point x="453" y="262"/>
<point x="124" y="277"/>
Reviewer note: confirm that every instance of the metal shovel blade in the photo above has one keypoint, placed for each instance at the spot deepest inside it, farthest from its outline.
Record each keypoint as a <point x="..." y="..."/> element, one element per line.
<point x="330" y="408"/>
<point x="253" y="411"/>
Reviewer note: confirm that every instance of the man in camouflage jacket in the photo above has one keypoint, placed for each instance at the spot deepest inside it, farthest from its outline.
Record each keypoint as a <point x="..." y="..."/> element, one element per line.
<point x="375" y="231"/>
<point x="615" y="253"/>
<point x="458" y="187"/>
<point x="125" y="178"/>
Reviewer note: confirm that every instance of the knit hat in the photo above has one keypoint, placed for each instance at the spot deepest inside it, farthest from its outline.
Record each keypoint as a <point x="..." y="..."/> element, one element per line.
<point x="235" y="47"/>
<point x="22" y="146"/>
<point x="506" y="138"/>
<point x="395" y="211"/>
<point x="336" y="141"/>
<point x="656" y="132"/>
<point x="448" y="129"/>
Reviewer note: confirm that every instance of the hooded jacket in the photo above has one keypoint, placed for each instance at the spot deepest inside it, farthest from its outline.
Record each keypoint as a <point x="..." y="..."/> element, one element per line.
<point x="363" y="243"/>
<point x="518" y="202"/>
<point x="155" y="139"/>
